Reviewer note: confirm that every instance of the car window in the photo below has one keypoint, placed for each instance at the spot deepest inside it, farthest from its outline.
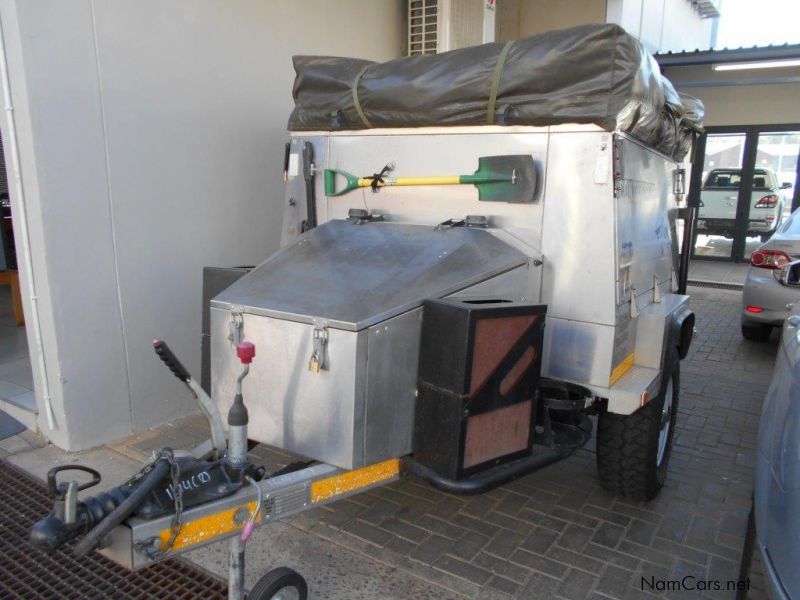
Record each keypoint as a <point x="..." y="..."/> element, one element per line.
<point x="724" y="179"/>
<point x="762" y="180"/>
<point x="731" y="179"/>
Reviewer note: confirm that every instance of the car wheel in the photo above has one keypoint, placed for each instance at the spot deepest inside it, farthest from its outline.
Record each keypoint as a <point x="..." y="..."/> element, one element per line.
<point x="756" y="332"/>
<point x="633" y="450"/>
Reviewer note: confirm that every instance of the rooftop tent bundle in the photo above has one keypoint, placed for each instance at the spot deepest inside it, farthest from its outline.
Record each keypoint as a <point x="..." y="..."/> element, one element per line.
<point x="588" y="74"/>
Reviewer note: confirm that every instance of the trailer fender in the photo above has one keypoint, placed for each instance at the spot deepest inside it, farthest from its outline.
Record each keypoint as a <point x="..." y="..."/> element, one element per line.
<point x="682" y="330"/>
<point x="660" y="327"/>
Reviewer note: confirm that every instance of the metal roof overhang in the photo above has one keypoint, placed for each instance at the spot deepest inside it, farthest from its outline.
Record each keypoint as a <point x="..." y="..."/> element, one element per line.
<point x="710" y="56"/>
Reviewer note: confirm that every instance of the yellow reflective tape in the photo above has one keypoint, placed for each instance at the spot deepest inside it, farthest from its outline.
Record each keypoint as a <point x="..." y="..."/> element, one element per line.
<point x="206" y="528"/>
<point x="620" y="369"/>
<point x="325" y="489"/>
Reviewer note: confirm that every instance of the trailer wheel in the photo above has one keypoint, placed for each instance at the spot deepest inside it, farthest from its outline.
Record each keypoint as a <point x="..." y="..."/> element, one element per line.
<point x="633" y="450"/>
<point x="282" y="583"/>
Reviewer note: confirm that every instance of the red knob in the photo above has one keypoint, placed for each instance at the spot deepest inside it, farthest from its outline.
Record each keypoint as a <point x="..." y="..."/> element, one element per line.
<point x="245" y="351"/>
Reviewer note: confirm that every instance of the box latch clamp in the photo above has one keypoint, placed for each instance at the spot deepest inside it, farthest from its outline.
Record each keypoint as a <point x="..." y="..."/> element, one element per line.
<point x="320" y="340"/>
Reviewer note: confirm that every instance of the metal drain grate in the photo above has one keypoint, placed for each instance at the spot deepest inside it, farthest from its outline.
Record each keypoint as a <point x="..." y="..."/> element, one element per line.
<point x="31" y="574"/>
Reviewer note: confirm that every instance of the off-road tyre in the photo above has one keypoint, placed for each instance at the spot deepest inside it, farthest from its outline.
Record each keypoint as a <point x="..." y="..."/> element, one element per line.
<point x="756" y="332"/>
<point x="627" y="445"/>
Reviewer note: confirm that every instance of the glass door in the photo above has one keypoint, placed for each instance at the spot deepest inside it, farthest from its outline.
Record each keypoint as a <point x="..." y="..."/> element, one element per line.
<point x="769" y="202"/>
<point x="719" y="194"/>
<point x="747" y="189"/>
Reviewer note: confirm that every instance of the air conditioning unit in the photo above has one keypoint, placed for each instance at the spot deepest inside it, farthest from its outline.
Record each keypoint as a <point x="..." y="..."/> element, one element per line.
<point x="423" y="23"/>
<point x="442" y="25"/>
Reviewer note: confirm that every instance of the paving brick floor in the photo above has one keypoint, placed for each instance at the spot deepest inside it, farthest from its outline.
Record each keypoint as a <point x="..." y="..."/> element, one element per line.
<point x="556" y="533"/>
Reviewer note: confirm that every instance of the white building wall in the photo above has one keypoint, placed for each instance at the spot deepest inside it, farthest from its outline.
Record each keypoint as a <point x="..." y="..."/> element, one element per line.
<point x="151" y="137"/>
<point x="662" y="25"/>
<point x="538" y="16"/>
<point x="683" y="29"/>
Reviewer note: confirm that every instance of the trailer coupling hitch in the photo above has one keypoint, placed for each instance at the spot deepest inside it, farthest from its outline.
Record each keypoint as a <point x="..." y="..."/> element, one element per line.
<point x="168" y="484"/>
<point x="151" y="493"/>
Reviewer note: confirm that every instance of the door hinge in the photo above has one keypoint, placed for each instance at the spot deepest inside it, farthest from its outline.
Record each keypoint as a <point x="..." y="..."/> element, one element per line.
<point x="618" y="166"/>
<point x="236" y="325"/>
<point x="679" y="183"/>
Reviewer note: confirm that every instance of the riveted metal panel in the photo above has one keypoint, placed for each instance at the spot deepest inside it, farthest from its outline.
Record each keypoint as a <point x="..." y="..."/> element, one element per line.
<point x="393" y="351"/>
<point x="319" y="415"/>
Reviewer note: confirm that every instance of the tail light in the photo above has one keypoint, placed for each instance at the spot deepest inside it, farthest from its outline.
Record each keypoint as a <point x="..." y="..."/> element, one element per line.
<point x="769" y="259"/>
<point x="767" y="201"/>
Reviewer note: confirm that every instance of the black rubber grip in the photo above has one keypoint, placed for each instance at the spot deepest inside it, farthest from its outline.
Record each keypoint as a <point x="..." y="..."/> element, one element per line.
<point x="237" y="415"/>
<point x="124" y="509"/>
<point x="166" y="355"/>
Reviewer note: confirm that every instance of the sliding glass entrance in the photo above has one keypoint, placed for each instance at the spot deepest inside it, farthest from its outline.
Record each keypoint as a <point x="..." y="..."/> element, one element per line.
<point x="749" y="185"/>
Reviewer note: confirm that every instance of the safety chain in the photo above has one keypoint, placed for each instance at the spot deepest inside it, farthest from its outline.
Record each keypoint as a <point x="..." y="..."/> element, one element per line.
<point x="150" y="546"/>
<point x="177" y="494"/>
<point x="157" y="455"/>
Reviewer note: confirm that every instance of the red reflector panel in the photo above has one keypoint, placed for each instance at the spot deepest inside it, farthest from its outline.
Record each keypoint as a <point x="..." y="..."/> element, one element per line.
<point x="769" y="259"/>
<point x="754" y="309"/>
<point x="767" y="201"/>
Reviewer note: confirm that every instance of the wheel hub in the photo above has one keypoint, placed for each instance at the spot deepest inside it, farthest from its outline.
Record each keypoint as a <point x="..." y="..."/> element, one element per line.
<point x="666" y="420"/>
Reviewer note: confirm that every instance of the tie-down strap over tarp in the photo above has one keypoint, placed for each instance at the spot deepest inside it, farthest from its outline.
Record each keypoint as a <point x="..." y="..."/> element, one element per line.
<point x="587" y="74"/>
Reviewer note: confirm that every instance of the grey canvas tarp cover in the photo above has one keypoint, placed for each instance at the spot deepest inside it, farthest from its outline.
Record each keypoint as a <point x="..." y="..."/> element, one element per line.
<point x="588" y="74"/>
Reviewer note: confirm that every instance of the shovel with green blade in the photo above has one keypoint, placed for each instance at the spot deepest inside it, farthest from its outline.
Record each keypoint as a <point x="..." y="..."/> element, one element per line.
<point x="510" y="178"/>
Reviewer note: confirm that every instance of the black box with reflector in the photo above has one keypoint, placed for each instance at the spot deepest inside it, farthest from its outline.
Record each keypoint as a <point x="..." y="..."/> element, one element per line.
<point x="479" y="365"/>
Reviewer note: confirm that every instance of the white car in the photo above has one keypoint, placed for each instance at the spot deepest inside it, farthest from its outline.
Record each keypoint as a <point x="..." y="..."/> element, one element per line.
<point x="766" y="297"/>
<point x="719" y="197"/>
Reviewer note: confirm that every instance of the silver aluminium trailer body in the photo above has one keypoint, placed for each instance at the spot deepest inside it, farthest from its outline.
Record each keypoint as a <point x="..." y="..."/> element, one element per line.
<point x="336" y="315"/>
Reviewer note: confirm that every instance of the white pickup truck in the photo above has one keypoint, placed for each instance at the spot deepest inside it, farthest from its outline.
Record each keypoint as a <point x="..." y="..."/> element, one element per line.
<point x="719" y="196"/>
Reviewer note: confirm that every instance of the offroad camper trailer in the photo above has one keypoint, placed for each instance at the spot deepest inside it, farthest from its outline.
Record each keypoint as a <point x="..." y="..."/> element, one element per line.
<point x="479" y="253"/>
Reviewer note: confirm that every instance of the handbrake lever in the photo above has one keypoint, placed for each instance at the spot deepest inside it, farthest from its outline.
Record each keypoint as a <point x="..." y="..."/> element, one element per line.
<point x="205" y="403"/>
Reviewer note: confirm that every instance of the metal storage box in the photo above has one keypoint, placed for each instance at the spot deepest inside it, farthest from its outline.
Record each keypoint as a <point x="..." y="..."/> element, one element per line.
<point x="360" y="288"/>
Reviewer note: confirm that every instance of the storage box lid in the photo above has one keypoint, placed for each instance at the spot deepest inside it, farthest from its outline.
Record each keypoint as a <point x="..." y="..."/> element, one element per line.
<point x="353" y="276"/>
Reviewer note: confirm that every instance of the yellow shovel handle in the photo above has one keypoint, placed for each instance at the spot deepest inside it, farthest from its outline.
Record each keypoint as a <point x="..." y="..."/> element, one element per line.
<point x="389" y="181"/>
